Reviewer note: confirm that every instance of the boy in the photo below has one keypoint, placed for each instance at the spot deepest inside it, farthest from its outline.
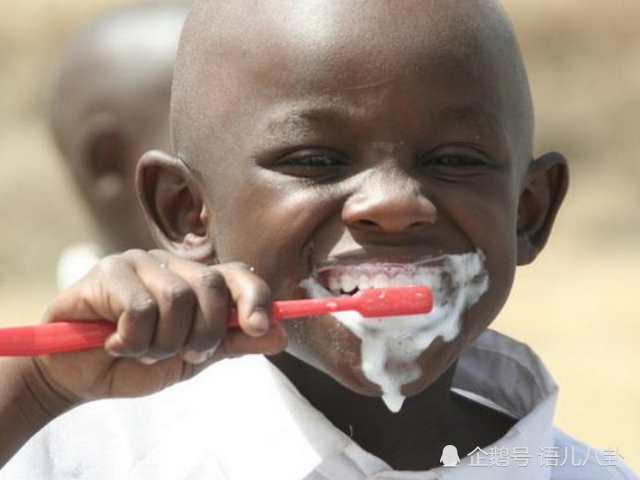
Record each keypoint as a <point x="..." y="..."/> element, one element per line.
<point x="322" y="147"/>
<point x="110" y="104"/>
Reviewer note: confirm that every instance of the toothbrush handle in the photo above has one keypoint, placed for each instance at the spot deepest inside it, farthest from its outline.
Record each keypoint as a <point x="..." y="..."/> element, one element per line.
<point x="62" y="336"/>
<point x="54" y="337"/>
<point x="303" y="308"/>
<point x="59" y="337"/>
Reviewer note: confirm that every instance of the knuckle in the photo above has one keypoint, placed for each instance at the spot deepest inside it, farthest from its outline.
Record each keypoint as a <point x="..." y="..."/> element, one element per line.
<point x="131" y="256"/>
<point x="142" y="306"/>
<point x="240" y="265"/>
<point x="212" y="279"/>
<point x="133" y="253"/>
<point x="157" y="255"/>
<point x="110" y="264"/>
<point x="177" y="292"/>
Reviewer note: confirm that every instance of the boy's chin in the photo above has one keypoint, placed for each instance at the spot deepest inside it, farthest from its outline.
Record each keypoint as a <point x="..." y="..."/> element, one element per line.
<point x="346" y="369"/>
<point x="353" y="378"/>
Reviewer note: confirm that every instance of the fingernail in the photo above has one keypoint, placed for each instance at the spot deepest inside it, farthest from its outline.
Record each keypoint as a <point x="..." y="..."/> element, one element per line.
<point x="191" y="356"/>
<point x="259" y="322"/>
<point x="148" y="360"/>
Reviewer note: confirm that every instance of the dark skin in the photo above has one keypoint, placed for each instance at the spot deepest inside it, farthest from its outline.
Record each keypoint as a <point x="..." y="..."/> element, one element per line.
<point x="387" y="141"/>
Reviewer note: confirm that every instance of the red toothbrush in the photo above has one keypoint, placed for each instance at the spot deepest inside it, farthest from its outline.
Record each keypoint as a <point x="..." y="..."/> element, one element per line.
<point x="62" y="336"/>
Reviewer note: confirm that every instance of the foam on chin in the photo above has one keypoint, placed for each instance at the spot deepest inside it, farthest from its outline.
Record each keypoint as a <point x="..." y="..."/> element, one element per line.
<point x="390" y="347"/>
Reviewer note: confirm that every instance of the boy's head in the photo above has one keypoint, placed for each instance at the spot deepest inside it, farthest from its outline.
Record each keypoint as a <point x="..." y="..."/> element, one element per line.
<point x="352" y="143"/>
<point x="110" y="104"/>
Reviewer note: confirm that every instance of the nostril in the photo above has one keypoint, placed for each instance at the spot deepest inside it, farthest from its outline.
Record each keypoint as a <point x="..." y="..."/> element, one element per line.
<point x="415" y="225"/>
<point x="367" y="223"/>
<point x="394" y="224"/>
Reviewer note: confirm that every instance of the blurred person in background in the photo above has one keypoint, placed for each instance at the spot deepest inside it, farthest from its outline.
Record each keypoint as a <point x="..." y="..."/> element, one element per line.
<point x="110" y="104"/>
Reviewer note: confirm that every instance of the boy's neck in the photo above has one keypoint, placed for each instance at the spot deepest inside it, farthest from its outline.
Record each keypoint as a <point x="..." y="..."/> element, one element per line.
<point x="411" y="439"/>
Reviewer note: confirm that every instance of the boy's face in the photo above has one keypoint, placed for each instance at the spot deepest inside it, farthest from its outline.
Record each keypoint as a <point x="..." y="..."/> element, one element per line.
<point x="364" y="140"/>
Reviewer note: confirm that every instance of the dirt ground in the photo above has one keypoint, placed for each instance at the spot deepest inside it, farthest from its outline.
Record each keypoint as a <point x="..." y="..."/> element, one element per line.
<point x="577" y="305"/>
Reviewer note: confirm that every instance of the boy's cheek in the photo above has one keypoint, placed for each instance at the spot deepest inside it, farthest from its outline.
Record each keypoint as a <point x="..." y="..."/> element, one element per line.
<point x="283" y="249"/>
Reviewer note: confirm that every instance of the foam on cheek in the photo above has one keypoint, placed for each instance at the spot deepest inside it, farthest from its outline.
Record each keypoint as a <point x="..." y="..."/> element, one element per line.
<point x="390" y="347"/>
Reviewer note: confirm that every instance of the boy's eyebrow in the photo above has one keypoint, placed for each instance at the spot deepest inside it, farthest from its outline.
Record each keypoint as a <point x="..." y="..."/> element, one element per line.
<point x="299" y="121"/>
<point x="481" y="117"/>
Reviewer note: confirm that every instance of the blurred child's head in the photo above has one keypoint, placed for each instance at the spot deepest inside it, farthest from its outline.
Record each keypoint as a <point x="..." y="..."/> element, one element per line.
<point x="341" y="144"/>
<point x="110" y="104"/>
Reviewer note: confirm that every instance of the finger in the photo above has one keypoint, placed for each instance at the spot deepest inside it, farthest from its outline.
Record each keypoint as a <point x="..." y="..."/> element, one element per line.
<point x="88" y="299"/>
<point x="176" y="303"/>
<point x="115" y="292"/>
<point x="251" y="295"/>
<point x="211" y="311"/>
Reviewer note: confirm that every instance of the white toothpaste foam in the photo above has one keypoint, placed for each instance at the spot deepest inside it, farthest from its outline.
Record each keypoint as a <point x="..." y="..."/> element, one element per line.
<point x="391" y="346"/>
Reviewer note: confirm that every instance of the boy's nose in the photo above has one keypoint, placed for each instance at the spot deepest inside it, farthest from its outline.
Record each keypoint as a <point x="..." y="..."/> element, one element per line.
<point x="389" y="207"/>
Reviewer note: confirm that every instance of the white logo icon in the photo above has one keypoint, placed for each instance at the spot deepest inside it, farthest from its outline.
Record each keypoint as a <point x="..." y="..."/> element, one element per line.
<point x="449" y="456"/>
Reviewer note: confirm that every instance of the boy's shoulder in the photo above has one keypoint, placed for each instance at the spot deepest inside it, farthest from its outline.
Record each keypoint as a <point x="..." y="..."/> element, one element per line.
<point x="579" y="461"/>
<point x="508" y="375"/>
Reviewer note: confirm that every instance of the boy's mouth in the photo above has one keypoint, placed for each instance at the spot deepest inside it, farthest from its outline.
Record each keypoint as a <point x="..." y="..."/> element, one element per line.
<point x="390" y="349"/>
<point x="348" y="279"/>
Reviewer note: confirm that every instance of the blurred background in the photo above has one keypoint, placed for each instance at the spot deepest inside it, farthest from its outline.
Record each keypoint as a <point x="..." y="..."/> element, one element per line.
<point x="578" y="305"/>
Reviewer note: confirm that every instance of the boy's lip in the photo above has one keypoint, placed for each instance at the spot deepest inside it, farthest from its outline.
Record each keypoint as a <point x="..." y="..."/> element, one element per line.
<point x="381" y="256"/>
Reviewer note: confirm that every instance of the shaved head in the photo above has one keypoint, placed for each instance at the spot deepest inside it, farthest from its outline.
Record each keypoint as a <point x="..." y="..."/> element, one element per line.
<point x="227" y="45"/>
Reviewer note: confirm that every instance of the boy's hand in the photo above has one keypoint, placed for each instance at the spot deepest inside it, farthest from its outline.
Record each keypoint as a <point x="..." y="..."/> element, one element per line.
<point x="171" y="319"/>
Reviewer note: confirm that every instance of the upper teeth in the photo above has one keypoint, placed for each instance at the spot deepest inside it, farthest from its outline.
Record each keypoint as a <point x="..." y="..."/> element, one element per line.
<point x="341" y="282"/>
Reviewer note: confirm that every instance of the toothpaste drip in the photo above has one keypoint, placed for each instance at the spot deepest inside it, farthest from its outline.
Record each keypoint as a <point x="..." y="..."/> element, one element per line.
<point x="391" y="346"/>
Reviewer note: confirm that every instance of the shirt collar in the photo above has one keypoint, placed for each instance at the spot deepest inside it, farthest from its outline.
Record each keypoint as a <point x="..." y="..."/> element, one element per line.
<point x="494" y="370"/>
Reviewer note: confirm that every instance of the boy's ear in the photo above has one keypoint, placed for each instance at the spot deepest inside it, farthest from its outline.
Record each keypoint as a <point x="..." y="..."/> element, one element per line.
<point x="543" y="190"/>
<point x="172" y="201"/>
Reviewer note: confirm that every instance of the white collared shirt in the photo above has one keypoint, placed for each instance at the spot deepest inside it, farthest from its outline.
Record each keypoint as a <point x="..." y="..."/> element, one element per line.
<point x="243" y="420"/>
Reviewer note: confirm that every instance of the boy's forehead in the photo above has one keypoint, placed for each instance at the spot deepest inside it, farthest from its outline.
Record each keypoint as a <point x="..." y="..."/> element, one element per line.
<point x="234" y="48"/>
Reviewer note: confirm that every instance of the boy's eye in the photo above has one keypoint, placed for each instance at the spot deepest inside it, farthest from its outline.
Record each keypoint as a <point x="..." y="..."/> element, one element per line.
<point x="452" y="160"/>
<point x="308" y="164"/>
<point x="455" y="163"/>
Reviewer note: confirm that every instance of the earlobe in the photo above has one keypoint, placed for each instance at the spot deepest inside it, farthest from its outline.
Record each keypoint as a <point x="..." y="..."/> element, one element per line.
<point x="173" y="205"/>
<point x="543" y="190"/>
